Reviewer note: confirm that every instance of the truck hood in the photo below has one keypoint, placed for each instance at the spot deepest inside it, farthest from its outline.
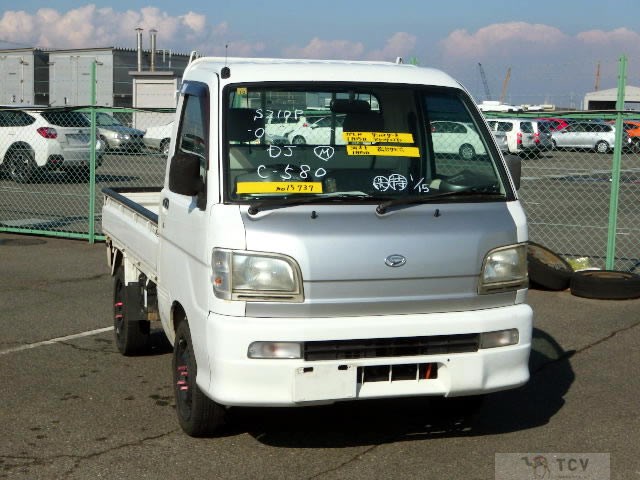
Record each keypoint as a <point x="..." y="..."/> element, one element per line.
<point x="343" y="253"/>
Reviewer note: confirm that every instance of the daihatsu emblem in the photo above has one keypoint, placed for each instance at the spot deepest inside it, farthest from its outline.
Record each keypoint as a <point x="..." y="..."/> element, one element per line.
<point x="395" y="260"/>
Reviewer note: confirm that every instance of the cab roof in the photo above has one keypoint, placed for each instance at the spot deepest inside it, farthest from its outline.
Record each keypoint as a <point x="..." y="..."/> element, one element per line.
<point x="281" y="69"/>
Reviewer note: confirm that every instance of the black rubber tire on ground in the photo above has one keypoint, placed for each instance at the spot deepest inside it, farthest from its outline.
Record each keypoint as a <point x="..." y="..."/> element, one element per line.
<point x="547" y="269"/>
<point x="21" y="165"/>
<point x="605" y="284"/>
<point x="132" y="337"/>
<point x="198" y="415"/>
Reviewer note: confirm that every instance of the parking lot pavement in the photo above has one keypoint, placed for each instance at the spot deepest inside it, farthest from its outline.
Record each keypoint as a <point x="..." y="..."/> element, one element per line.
<point x="73" y="408"/>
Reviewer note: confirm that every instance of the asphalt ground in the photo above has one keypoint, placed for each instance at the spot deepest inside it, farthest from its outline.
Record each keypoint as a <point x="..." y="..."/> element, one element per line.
<point x="71" y="407"/>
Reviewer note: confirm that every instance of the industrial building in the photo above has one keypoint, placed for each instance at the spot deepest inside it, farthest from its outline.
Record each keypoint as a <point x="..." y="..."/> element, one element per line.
<point x="34" y="76"/>
<point x="606" y="99"/>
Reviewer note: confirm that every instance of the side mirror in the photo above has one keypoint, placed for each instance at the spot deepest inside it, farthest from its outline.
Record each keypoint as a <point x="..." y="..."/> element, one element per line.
<point x="184" y="174"/>
<point x="514" y="164"/>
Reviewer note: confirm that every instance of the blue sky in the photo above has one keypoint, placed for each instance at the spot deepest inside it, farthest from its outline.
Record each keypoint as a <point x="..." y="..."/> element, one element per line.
<point x="552" y="48"/>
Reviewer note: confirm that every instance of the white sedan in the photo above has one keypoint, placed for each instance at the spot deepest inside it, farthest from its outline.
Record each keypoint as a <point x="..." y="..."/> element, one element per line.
<point x="456" y="138"/>
<point x="159" y="137"/>
<point x="318" y="132"/>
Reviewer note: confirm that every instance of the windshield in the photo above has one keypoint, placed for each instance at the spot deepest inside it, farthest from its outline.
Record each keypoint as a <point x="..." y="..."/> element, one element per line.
<point x="366" y="142"/>
<point x="106" y="120"/>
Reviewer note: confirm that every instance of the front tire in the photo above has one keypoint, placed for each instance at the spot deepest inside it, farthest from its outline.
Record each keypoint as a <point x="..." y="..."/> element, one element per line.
<point x="132" y="336"/>
<point x="299" y="140"/>
<point x="602" y="147"/>
<point x="198" y="415"/>
<point x="467" y="152"/>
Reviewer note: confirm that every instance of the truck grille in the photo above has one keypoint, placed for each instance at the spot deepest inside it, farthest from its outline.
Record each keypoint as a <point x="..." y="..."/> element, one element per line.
<point x="390" y="347"/>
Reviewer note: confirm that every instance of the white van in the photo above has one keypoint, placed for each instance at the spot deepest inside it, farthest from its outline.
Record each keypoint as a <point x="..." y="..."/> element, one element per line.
<point x="520" y="133"/>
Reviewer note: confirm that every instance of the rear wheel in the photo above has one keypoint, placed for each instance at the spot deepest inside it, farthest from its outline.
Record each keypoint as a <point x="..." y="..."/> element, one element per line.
<point x="132" y="335"/>
<point x="21" y="165"/>
<point x="198" y="415"/>
<point x="602" y="147"/>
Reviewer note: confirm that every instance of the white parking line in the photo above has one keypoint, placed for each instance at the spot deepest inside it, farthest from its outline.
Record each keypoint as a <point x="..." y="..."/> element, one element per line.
<point x="55" y="340"/>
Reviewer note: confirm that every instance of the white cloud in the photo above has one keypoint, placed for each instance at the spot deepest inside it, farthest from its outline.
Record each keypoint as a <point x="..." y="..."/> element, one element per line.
<point x="318" y="48"/>
<point x="501" y="39"/>
<point x="89" y="26"/>
<point x="400" y="44"/>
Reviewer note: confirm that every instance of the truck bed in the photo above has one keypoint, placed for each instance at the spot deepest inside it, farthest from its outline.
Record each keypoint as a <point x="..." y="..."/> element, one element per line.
<point x="130" y="223"/>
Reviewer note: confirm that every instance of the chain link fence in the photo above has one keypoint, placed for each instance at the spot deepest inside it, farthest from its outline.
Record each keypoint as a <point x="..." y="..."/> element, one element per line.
<point x="47" y="185"/>
<point x="566" y="188"/>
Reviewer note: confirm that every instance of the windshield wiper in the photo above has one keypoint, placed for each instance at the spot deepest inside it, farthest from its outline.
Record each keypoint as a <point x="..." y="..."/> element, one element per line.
<point x="488" y="191"/>
<point x="255" y="207"/>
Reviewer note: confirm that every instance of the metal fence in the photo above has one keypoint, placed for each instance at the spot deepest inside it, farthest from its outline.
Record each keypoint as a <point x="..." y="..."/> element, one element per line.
<point x="55" y="163"/>
<point x="581" y="195"/>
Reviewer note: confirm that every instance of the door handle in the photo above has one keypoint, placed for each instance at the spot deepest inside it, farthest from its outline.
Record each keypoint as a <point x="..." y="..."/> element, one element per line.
<point x="165" y="203"/>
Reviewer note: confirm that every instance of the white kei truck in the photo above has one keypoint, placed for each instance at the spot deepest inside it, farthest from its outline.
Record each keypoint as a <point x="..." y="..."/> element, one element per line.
<point x="382" y="254"/>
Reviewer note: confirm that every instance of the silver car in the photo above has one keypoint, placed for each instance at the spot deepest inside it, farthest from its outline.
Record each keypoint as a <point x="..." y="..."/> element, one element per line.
<point x="592" y="135"/>
<point x="116" y="135"/>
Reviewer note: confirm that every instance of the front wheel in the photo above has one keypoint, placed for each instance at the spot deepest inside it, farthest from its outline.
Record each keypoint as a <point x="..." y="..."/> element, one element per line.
<point x="299" y="140"/>
<point x="467" y="152"/>
<point x="602" y="147"/>
<point x="198" y="415"/>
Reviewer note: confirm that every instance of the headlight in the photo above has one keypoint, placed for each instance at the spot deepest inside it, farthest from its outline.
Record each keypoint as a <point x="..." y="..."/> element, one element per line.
<point x="503" y="269"/>
<point x="255" y="276"/>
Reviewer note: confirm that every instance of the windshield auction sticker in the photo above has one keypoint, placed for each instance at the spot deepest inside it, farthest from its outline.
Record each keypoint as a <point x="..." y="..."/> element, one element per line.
<point x="279" y="187"/>
<point x="388" y="151"/>
<point x="356" y="137"/>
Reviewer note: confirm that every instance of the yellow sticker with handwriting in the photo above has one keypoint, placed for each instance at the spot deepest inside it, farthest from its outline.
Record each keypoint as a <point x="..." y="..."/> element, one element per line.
<point x="384" y="150"/>
<point x="241" y="90"/>
<point x="385" y="137"/>
<point x="279" y="187"/>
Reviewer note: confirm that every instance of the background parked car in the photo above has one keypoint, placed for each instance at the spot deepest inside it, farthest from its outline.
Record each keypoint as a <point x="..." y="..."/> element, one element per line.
<point x="520" y="133"/>
<point x="553" y="124"/>
<point x="116" y="135"/>
<point x="632" y="127"/>
<point x="277" y="128"/>
<point x="456" y="138"/>
<point x="31" y="140"/>
<point x="596" y="136"/>
<point x="318" y="132"/>
<point x="501" y="140"/>
<point x="542" y="138"/>
<point x="159" y="137"/>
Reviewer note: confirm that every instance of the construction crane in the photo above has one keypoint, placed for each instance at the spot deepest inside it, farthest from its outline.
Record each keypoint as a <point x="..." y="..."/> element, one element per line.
<point x="505" y="84"/>
<point x="484" y="82"/>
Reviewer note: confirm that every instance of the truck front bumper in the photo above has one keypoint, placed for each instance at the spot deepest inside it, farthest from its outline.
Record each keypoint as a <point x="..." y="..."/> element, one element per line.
<point x="237" y="380"/>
